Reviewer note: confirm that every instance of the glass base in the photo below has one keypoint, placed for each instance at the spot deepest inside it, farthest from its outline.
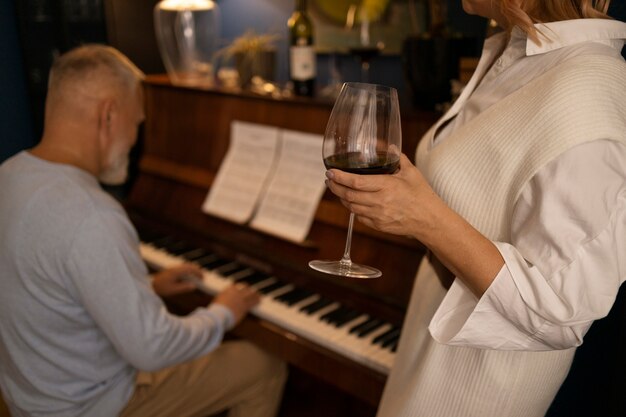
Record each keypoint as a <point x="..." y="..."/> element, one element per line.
<point x="343" y="269"/>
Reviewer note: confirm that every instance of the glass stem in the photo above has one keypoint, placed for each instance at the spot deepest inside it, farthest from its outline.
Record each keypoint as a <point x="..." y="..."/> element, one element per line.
<point x="345" y="260"/>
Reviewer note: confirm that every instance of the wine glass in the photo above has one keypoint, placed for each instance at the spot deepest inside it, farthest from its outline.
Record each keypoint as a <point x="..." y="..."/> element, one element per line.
<point x="363" y="136"/>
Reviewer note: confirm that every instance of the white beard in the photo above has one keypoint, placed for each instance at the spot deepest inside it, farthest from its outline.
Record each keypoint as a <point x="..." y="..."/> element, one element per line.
<point x="116" y="172"/>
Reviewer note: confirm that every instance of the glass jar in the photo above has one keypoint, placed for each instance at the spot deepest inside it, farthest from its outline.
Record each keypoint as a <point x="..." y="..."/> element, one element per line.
<point x="187" y="33"/>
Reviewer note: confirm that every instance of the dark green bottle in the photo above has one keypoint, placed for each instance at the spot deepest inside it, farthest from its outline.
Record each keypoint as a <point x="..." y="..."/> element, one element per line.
<point x="302" y="60"/>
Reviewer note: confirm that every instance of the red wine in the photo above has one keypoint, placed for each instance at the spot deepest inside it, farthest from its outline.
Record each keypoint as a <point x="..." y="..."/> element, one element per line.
<point x="355" y="163"/>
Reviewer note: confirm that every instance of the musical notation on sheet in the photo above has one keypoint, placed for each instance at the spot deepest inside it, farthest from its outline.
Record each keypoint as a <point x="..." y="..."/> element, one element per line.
<point x="270" y="177"/>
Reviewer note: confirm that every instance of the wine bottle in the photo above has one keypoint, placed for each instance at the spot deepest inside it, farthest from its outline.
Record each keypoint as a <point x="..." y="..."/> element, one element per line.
<point x="302" y="65"/>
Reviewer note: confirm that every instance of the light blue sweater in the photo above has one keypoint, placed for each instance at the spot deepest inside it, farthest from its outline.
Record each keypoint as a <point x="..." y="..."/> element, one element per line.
<point x="78" y="315"/>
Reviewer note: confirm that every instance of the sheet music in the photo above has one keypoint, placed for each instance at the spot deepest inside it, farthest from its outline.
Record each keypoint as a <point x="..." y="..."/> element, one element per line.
<point x="243" y="173"/>
<point x="289" y="204"/>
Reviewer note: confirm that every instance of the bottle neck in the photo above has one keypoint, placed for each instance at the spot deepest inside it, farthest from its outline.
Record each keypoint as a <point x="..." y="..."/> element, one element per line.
<point x="301" y="5"/>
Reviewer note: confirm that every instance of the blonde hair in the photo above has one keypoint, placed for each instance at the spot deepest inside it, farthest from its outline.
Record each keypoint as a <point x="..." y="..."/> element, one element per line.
<point x="93" y="69"/>
<point x="525" y="13"/>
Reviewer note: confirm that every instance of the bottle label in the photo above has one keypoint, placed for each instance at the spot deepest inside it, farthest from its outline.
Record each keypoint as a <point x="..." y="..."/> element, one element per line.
<point x="302" y="62"/>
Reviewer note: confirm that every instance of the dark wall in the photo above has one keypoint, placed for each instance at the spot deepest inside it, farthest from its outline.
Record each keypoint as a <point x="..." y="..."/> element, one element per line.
<point x="131" y="30"/>
<point x="129" y="27"/>
<point x="16" y="131"/>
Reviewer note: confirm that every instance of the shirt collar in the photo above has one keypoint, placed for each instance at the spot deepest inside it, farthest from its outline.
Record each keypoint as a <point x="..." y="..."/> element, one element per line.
<point x="555" y="35"/>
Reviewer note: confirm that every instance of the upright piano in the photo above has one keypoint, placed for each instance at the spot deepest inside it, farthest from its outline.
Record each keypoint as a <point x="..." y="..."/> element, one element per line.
<point x="340" y="331"/>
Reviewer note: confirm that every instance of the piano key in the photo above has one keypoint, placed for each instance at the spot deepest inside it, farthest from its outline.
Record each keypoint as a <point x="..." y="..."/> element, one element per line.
<point x="194" y="254"/>
<point x="348" y="317"/>
<point x="303" y="317"/>
<point x="214" y="263"/>
<point x="178" y="247"/>
<point x="231" y="269"/>
<point x="164" y="241"/>
<point x="316" y="305"/>
<point x="390" y="341"/>
<point x="370" y="328"/>
<point x="253" y="278"/>
<point x="206" y="259"/>
<point x="390" y="334"/>
<point x="361" y="326"/>
<point x="294" y="296"/>
<point x="272" y="287"/>
<point x="330" y="316"/>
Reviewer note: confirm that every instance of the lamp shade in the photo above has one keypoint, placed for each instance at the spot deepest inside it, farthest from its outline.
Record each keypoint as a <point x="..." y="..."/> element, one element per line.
<point x="187" y="33"/>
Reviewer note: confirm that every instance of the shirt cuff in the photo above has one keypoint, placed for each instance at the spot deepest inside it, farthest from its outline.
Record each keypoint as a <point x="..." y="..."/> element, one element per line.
<point x="498" y="320"/>
<point x="223" y="314"/>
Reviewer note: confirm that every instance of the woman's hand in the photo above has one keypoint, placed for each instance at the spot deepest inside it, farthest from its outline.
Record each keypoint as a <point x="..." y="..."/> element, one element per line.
<point x="175" y="280"/>
<point x="399" y="204"/>
<point x="404" y="204"/>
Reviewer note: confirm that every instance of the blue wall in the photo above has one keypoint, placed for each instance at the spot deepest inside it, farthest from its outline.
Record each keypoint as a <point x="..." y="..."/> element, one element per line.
<point x="265" y="16"/>
<point x="270" y="16"/>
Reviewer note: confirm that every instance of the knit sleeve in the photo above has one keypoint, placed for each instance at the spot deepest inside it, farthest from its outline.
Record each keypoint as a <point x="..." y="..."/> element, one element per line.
<point x="563" y="266"/>
<point x="110" y="280"/>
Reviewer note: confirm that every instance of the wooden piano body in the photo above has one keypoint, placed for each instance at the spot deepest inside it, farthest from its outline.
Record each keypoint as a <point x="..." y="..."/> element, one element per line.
<point x="186" y="136"/>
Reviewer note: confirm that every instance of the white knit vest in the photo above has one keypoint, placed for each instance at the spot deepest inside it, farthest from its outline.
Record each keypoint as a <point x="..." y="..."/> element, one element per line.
<point x="482" y="167"/>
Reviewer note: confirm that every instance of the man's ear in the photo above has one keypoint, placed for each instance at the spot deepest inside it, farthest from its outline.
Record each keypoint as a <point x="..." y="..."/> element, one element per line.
<point x="106" y="119"/>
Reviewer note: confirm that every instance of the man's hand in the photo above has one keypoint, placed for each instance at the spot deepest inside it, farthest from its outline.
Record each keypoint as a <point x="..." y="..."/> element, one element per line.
<point x="172" y="281"/>
<point x="239" y="299"/>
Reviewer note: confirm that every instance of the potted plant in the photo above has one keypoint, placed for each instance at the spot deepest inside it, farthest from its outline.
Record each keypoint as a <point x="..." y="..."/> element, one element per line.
<point x="252" y="54"/>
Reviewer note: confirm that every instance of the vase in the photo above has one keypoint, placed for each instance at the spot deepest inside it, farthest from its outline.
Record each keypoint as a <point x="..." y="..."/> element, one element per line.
<point x="187" y="33"/>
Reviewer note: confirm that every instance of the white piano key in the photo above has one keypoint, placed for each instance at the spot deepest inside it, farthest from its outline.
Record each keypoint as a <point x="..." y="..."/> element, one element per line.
<point x="309" y="326"/>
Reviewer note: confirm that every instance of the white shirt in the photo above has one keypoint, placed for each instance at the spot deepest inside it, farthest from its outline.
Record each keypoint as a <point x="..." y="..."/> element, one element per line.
<point x="567" y="255"/>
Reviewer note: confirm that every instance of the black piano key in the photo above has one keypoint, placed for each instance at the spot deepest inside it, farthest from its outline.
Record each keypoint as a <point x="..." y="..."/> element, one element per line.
<point x="271" y="287"/>
<point x="358" y="327"/>
<point x="194" y="254"/>
<point x="292" y="297"/>
<point x="340" y="316"/>
<point x="253" y="278"/>
<point x="316" y="305"/>
<point x="349" y="316"/>
<point x="164" y="241"/>
<point x="302" y="296"/>
<point x="391" y="341"/>
<point x="230" y="269"/>
<point x="206" y="259"/>
<point x="375" y="324"/>
<point x="243" y="273"/>
<point x="331" y="315"/>
<point x="214" y="262"/>
<point x="178" y="247"/>
<point x="380" y="339"/>
<point x="369" y="330"/>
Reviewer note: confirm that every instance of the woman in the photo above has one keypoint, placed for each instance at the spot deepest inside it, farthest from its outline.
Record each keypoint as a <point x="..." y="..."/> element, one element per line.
<point x="521" y="194"/>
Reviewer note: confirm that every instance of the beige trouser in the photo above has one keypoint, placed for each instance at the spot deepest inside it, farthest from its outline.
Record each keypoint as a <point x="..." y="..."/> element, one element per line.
<point x="237" y="376"/>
